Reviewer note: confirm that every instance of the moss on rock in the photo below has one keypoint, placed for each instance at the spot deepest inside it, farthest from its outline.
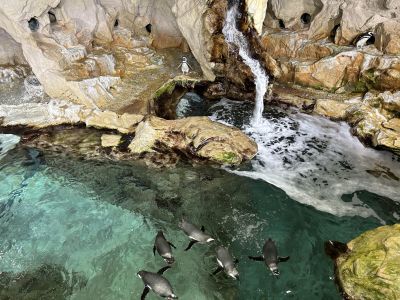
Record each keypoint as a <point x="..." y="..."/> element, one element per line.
<point x="371" y="269"/>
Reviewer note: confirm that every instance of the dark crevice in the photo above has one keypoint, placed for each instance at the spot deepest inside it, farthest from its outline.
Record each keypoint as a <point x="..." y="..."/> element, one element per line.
<point x="305" y="18"/>
<point x="52" y="17"/>
<point x="281" y="24"/>
<point x="33" y="24"/>
<point x="148" y="28"/>
<point x="116" y="23"/>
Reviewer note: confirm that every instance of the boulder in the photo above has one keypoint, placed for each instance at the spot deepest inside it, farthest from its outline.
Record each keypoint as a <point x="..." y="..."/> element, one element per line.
<point x="197" y="137"/>
<point x="56" y="112"/>
<point x="371" y="267"/>
<point x="110" y="140"/>
<point x="387" y="37"/>
<point x="257" y="10"/>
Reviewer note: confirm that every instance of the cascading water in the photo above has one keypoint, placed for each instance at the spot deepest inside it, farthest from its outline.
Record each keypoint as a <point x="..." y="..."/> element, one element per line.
<point x="235" y="37"/>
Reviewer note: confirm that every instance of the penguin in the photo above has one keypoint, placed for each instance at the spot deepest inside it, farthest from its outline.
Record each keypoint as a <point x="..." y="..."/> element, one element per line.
<point x="226" y="263"/>
<point x="163" y="248"/>
<point x="270" y="257"/>
<point x="362" y="40"/>
<point x="196" y="235"/>
<point x="158" y="283"/>
<point x="185" y="67"/>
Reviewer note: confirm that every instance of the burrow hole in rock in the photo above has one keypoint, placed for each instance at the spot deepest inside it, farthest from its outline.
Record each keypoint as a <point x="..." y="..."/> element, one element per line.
<point x="116" y="23"/>
<point x="52" y="17"/>
<point x="148" y="28"/>
<point x="281" y="24"/>
<point x="332" y="35"/>
<point x="305" y="18"/>
<point x="33" y="24"/>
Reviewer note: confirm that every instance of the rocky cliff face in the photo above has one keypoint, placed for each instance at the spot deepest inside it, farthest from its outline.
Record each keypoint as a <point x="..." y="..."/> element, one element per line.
<point x="59" y="39"/>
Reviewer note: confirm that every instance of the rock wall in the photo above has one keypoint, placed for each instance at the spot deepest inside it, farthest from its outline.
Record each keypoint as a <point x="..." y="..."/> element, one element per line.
<point x="57" y="37"/>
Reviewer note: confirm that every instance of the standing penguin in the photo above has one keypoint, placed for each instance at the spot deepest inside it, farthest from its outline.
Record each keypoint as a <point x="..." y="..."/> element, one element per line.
<point x="270" y="257"/>
<point x="196" y="235"/>
<point x="163" y="248"/>
<point x="362" y="40"/>
<point x="185" y="67"/>
<point x="158" y="283"/>
<point x="226" y="263"/>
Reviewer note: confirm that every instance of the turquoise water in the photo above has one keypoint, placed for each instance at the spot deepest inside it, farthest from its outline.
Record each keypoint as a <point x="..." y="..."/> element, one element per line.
<point x="73" y="228"/>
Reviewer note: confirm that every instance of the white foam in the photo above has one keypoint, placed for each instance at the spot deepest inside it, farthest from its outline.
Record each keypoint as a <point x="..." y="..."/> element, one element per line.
<point x="316" y="161"/>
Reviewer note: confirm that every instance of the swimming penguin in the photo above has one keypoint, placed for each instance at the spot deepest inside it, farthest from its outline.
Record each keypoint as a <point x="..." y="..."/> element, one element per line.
<point x="196" y="235"/>
<point x="362" y="40"/>
<point x="226" y="263"/>
<point x="163" y="248"/>
<point x="185" y="67"/>
<point x="270" y="257"/>
<point x="157" y="283"/>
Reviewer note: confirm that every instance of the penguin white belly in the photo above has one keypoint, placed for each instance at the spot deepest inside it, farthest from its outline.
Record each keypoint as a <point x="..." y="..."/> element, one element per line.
<point x="361" y="43"/>
<point x="185" y="68"/>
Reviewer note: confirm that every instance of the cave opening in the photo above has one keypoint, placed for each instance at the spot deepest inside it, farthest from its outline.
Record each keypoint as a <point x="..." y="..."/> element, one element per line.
<point x="281" y="24"/>
<point x="305" y="18"/>
<point x="332" y="35"/>
<point x="116" y="23"/>
<point x="148" y="28"/>
<point x="52" y="17"/>
<point x="33" y="24"/>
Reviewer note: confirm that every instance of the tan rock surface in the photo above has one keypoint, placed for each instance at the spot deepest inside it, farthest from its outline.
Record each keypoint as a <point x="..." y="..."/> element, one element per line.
<point x="195" y="136"/>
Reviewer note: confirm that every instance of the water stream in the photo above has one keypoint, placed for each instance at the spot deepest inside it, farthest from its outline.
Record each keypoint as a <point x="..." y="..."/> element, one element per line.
<point x="235" y="37"/>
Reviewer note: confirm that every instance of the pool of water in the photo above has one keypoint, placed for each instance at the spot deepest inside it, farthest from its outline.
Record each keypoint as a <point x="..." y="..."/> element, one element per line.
<point x="73" y="228"/>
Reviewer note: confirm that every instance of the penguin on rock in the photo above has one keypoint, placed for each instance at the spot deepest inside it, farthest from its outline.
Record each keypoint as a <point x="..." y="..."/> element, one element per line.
<point x="185" y="67"/>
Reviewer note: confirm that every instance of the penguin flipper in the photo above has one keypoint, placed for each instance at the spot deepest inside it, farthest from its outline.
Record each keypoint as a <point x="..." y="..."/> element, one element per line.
<point x="172" y="245"/>
<point x="219" y="269"/>
<point x="257" y="258"/>
<point x="202" y="228"/>
<point x="162" y="270"/>
<point x="190" y="245"/>
<point x="154" y="250"/>
<point x="145" y="292"/>
<point x="283" y="258"/>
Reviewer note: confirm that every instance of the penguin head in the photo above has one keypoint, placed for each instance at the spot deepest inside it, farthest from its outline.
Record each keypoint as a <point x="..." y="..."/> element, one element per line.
<point x="184" y="59"/>
<point x="140" y="274"/>
<point x="210" y="239"/>
<point x="370" y="33"/>
<point x="274" y="269"/>
<point x="234" y="273"/>
<point x="169" y="259"/>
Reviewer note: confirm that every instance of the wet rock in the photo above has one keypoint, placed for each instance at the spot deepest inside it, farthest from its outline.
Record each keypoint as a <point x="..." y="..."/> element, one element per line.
<point x="371" y="268"/>
<point x="56" y="112"/>
<point x="197" y="137"/>
<point x="110" y="140"/>
<point x="331" y="108"/>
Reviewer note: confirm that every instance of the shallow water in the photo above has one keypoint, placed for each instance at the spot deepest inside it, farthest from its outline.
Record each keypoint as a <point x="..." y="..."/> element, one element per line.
<point x="92" y="223"/>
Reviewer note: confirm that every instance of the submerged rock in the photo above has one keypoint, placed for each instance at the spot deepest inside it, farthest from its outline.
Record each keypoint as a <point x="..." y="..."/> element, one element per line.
<point x="371" y="267"/>
<point x="195" y="137"/>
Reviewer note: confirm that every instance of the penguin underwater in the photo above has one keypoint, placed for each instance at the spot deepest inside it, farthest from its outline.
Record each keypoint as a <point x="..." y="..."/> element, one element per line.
<point x="270" y="257"/>
<point x="157" y="283"/>
<point x="196" y="235"/>
<point x="163" y="248"/>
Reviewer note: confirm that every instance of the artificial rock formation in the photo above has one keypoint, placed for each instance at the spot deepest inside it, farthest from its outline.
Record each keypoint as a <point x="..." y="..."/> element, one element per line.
<point x="195" y="137"/>
<point x="370" y="269"/>
<point x="57" y="39"/>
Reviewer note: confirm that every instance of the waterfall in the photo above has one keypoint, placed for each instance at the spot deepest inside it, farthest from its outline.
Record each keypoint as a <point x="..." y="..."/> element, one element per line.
<point x="235" y="37"/>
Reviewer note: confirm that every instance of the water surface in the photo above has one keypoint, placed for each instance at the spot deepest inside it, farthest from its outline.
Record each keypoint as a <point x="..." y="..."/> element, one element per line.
<point x="73" y="228"/>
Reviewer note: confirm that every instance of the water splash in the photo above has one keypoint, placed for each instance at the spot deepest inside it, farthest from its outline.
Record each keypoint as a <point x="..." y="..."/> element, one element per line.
<point x="235" y="37"/>
<point x="314" y="160"/>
